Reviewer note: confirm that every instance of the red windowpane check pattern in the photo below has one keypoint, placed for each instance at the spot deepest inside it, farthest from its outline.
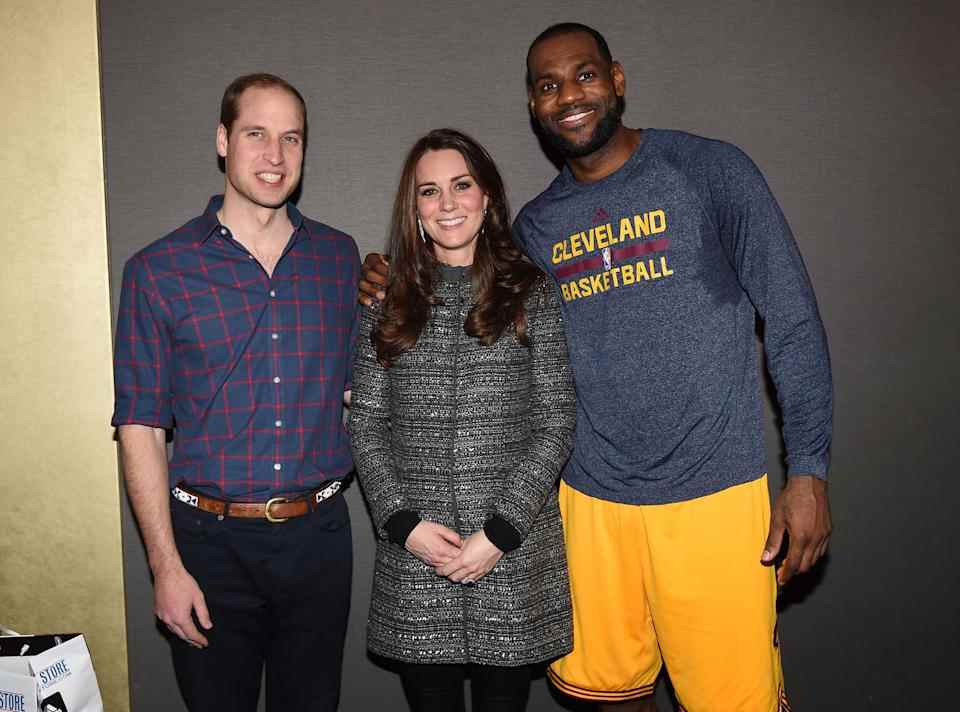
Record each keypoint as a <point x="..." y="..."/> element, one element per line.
<point x="249" y="369"/>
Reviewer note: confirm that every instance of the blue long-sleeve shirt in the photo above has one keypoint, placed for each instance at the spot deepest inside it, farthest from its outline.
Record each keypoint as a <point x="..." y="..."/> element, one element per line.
<point x="663" y="267"/>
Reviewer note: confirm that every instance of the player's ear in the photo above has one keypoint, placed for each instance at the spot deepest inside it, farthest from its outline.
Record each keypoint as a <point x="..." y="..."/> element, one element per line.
<point x="618" y="78"/>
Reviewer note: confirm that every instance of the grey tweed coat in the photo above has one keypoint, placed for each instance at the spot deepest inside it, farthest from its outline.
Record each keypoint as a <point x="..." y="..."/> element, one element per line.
<point x="457" y="431"/>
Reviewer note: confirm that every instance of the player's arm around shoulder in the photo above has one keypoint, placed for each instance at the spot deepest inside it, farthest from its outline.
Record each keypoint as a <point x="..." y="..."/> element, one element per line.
<point x="374" y="275"/>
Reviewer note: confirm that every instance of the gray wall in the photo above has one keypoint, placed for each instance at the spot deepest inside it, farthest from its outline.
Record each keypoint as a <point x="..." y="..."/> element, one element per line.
<point x="851" y="110"/>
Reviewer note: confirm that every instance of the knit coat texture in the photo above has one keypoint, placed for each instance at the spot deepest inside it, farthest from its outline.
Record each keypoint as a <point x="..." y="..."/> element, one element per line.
<point x="459" y="432"/>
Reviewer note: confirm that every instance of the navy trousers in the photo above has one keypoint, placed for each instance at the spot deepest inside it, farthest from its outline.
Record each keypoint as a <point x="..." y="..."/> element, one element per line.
<point x="278" y="596"/>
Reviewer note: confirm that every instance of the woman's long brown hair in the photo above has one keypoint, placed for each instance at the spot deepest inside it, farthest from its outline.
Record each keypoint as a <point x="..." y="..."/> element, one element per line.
<point x="502" y="277"/>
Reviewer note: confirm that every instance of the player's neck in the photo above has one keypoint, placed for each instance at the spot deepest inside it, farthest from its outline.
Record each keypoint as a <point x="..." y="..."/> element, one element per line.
<point x="608" y="158"/>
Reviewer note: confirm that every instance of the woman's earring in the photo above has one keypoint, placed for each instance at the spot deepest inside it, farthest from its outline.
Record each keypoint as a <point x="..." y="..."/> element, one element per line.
<point x="423" y="238"/>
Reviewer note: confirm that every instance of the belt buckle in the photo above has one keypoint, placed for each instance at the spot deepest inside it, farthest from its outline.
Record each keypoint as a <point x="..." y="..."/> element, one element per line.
<point x="266" y="509"/>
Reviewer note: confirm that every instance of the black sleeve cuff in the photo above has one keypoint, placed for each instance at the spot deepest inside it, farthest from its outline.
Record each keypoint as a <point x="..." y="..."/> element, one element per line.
<point x="502" y="534"/>
<point x="400" y="524"/>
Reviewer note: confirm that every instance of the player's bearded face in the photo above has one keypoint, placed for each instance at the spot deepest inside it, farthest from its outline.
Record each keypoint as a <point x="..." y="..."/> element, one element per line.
<point x="575" y="92"/>
<point x="610" y="112"/>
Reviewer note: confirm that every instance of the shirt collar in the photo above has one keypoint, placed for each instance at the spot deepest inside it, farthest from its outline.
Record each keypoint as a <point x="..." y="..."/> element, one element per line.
<point x="210" y="223"/>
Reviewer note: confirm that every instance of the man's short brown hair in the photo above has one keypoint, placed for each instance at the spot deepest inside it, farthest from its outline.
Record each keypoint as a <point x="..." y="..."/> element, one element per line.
<point x="229" y="104"/>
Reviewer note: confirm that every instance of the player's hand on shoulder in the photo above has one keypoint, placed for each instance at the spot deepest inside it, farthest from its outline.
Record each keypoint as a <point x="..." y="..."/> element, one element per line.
<point x="373" y="279"/>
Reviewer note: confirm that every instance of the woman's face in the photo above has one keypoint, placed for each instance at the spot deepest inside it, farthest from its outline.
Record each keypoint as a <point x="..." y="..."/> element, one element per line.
<point x="450" y="205"/>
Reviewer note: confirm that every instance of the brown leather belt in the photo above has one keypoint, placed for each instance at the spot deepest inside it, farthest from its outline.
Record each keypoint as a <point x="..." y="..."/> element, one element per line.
<point x="275" y="509"/>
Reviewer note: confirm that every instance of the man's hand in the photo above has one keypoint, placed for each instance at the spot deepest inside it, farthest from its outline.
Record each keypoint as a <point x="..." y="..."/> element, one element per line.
<point x="373" y="279"/>
<point x="176" y="596"/>
<point x="434" y="544"/>
<point x="803" y="511"/>
<point x="476" y="559"/>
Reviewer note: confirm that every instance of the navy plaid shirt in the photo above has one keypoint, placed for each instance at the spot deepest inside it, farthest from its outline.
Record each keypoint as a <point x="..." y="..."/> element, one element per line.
<point x="249" y="369"/>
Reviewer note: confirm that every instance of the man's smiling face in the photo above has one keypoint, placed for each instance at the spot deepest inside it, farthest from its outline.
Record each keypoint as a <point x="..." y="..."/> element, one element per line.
<point x="576" y="95"/>
<point x="264" y="149"/>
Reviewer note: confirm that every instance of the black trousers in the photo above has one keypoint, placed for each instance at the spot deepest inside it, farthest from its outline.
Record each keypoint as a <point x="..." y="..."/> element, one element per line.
<point x="439" y="688"/>
<point x="278" y="596"/>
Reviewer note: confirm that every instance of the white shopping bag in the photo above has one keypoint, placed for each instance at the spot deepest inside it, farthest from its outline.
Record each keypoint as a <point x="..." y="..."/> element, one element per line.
<point x="18" y="691"/>
<point x="47" y="673"/>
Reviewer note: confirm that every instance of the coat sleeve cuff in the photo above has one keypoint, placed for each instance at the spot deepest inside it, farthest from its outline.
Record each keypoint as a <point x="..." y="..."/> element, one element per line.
<point x="400" y="524"/>
<point x="502" y="534"/>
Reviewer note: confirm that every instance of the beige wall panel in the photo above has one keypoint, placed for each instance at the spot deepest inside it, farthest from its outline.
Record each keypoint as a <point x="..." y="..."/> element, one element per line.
<point x="60" y="552"/>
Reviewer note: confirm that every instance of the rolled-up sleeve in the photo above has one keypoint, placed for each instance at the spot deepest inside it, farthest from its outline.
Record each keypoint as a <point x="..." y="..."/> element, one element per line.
<point x="141" y="361"/>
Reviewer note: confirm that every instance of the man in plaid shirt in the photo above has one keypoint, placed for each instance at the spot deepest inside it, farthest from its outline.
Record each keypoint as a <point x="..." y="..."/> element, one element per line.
<point x="237" y="331"/>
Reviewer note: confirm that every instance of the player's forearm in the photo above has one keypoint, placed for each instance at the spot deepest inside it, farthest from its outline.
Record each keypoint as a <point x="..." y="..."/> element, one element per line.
<point x="799" y="364"/>
<point x="144" y="454"/>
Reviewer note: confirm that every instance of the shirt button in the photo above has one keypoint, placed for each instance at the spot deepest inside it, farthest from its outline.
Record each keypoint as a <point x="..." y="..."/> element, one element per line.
<point x="273" y="292"/>
<point x="249" y="257"/>
<point x="274" y="336"/>
<point x="278" y="423"/>
<point x="276" y="379"/>
<point x="277" y="466"/>
<point x="223" y="231"/>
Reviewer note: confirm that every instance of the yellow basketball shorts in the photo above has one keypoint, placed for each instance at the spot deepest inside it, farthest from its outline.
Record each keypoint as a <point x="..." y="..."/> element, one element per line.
<point x="679" y="584"/>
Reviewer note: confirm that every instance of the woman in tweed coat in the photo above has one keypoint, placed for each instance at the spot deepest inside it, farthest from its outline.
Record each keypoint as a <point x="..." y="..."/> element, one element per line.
<point x="461" y="417"/>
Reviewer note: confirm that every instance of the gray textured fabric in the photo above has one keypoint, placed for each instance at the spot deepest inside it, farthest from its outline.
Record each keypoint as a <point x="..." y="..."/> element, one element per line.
<point x="664" y="266"/>
<point x="458" y="432"/>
